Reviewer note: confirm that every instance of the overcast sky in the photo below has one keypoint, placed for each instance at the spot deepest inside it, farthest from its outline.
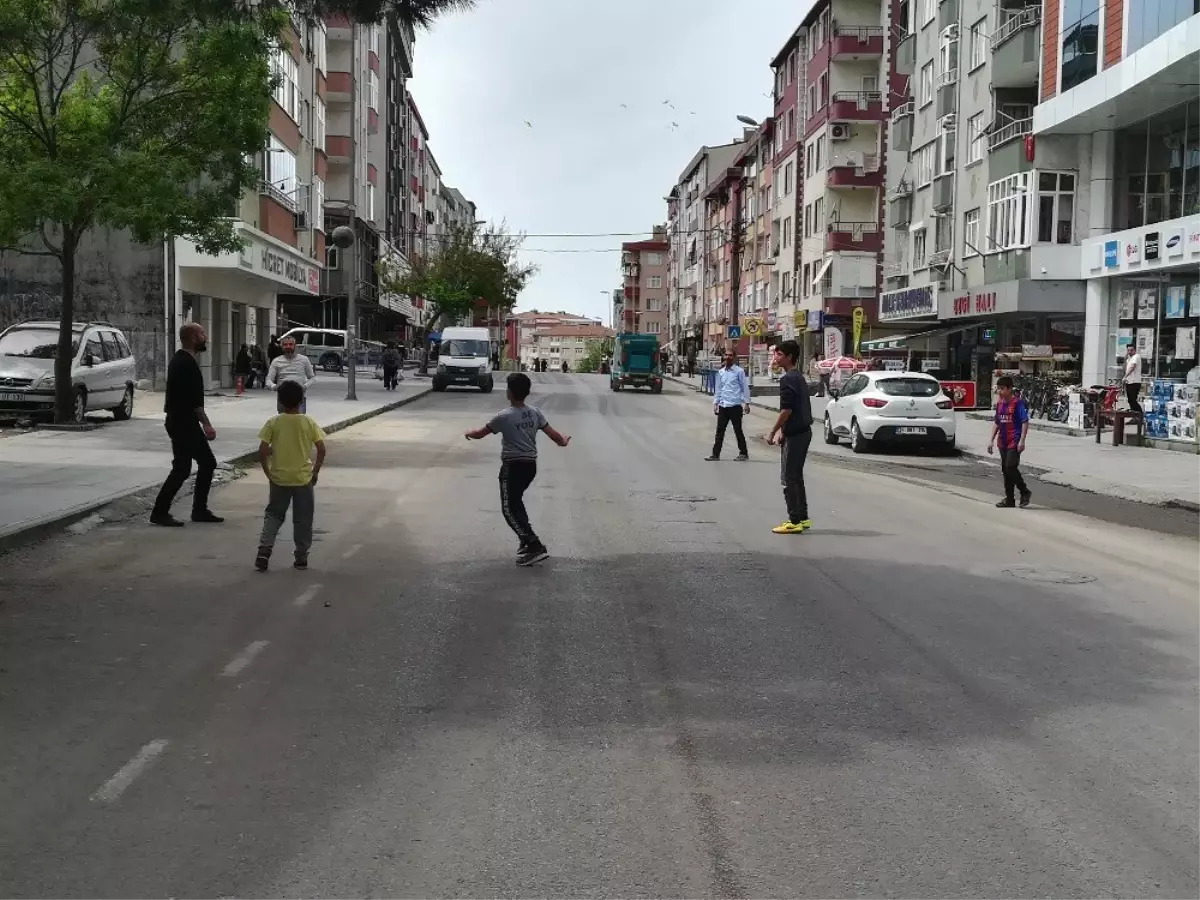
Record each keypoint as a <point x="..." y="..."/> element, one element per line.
<point x="587" y="164"/>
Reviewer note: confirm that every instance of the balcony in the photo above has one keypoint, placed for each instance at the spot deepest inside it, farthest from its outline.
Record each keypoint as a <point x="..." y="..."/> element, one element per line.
<point x="863" y="236"/>
<point x="857" y="42"/>
<point x="902" y="207"/>
<point x="1015" y="49"/>
<point x="855" y="170"/>
<point x="906" y="51"/>
<point x="947" y="93"/>
<point x="338" y="87"/>
<point x="339" y="148"/>
<point x="947" y="14"/>
<point x="943" y="192"/>
<point x="1009" y="132"/>
<point x="902" y="126"/>
<point x="939" y="259"/>
<point x="857" y="106"/>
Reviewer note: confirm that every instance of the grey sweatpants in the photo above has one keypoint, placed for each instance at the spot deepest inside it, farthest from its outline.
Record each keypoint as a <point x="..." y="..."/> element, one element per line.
<point x="302" y="502"/>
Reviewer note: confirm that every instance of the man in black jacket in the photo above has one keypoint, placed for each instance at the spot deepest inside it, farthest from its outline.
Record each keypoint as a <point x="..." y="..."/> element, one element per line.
<point x="190" y="431"/>
<point x="795" y="425"/>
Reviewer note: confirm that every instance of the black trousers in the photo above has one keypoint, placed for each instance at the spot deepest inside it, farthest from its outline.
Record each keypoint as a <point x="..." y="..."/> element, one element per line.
<point x="1131" y="394"/>
<point x="792" y="455"/>
<point x="516" y="475"/>
<point x="187" y="443"/>
<point x="389" y="377"/>
<point x="725" y="416"/>
<point x="1010" y="466"/>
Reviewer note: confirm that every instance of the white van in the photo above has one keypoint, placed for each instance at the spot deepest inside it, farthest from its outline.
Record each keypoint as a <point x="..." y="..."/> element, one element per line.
<point x="464" y="359"/>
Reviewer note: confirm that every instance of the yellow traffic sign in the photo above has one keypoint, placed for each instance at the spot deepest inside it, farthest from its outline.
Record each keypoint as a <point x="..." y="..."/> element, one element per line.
<point x="752" y="326"/>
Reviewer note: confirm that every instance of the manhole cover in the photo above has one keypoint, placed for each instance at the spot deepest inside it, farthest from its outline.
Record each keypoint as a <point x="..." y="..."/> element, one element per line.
<point x="1049" y="576"/>
<point x="684" y="498"/>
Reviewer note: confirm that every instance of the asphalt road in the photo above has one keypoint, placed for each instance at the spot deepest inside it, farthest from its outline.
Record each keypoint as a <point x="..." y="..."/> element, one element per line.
<point x="924" y="696"/>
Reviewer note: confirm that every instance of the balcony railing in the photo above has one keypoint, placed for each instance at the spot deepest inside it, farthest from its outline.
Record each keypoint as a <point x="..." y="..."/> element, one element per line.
<point x="862" y="99"/>
<point x="904" y="109"/>
<point x="940" y="258"/>
<point x="1026" y="18"/>
<point x="947" y="78"/>
<point x="857" y="41"/>
<point x="1010" y="132"/>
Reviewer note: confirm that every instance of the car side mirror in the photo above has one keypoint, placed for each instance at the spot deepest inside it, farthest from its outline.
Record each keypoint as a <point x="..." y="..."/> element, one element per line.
<point x="89" y="359"/>
<point x="834" y="393"/>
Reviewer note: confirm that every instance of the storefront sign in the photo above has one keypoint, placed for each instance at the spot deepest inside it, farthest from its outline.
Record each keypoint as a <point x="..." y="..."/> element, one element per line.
<point x="908" y="303"/>
<point x="1006" y="297"/>
<point x="1140" y="249"/>
<point x="290" y="270"/>
<point x="800" y="319"/>
<point x="1110" y="254"/>
<point x="815" y="322"/>
<point x="1037" y="351"/>
<point x="1133" y="249"/>
<point x="974" y="304"/>
<point x="1193" y="239"/>
<point x="1174" y="243"/>
<point x="961" y="392"/>
<point x="1151" y="246"/>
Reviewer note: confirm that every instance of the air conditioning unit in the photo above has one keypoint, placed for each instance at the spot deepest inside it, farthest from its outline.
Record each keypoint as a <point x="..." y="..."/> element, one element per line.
<point x="300" y="219"/>
<point x="948" y="122"/>
<point x="839" y="131"/>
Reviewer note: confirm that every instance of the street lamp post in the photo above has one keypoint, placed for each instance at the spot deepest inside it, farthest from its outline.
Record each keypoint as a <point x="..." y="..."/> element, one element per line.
<point x="343" y="239"/>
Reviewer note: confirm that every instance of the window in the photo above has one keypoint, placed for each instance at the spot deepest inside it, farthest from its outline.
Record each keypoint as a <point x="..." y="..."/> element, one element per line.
<point x="870" y="84"/>
<point x="318" y="203"/>
<point x="320" y="52"/>
<point x="1056" y="207"/>
<point x="1080" y="34"/>
<point x="976" y="139"/>
<point x="806" y="279"/>
<point x="369" y="205"/>
<point x="823" y="88"/>
<point x="94" y="347"/>
<point x="971" y="232"/>
<point x="281" y="172"/>
<point x="925" y="11"/>
<point x="925" y="162"/>
<point x="654" y="304"/>
<point x="788" y="174"/>
<point x="287" y="89"/>
<point x="654" y="259"/>
<point x="812" y="100"/>
<point x="318" y="137"/>
<point x="787" y="232"/>
<point x="945" y="153"/>
<point x="108" y="342"/>
<point x="652" y="327"/>
<point x="654" y="281"/>
<point x="808" y="220"/>
<point x="1008" y="213"/>
<point x="787" y="285"/>
<point x="791" y="67"/>
<point x="818" y="215"/>
<point x="373" y="38"/>
<point x="1150" y="18"/>
<point x="977" y="44"/>
<point x="925" y="85"/>
<point x="124" y="344"/>
<point x="820" y="147"/>
<point x="790" y="126"/>
<point x="373" y="91"/>
<point x="918" y="256"/>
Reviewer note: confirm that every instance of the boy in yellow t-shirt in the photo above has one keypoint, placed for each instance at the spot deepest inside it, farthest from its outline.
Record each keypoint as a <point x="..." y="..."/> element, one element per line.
<point x="285" y="451"/>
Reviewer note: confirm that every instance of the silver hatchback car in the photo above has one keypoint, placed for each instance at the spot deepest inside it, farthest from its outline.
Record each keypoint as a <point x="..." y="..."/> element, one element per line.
<point x="103" y="372"/>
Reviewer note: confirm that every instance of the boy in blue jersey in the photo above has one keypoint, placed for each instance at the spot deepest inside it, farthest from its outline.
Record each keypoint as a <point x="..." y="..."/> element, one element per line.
<point x="1009" y="430"/>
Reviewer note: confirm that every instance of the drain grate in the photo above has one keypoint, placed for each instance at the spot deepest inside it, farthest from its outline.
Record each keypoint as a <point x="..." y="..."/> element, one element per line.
<point x="1048" y="576"/>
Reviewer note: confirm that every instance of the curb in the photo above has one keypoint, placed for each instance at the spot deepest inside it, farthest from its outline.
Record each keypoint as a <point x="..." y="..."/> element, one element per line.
<point x="28" y="533"/>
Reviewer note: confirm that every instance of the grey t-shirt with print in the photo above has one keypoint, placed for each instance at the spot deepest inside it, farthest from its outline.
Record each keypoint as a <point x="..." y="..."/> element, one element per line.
<point x="518" y="427"/>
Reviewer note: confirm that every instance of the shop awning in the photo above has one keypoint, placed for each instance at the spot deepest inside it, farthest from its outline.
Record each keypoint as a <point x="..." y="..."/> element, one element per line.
<point x="907" y="341"/>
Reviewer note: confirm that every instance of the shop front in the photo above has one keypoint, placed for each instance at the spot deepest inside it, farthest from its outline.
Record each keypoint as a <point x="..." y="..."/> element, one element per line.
<point x="235" y="295"/>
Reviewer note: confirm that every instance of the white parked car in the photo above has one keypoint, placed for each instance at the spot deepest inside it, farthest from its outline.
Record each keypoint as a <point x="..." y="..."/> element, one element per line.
<point x="892" y="408"/>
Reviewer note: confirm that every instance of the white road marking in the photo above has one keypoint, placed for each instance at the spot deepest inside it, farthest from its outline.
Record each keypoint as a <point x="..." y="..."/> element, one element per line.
<point x="115" y="786"/>
<point x="349" y="553"/>
<point x="243" y="659"/>
<point x="307" y="594"/>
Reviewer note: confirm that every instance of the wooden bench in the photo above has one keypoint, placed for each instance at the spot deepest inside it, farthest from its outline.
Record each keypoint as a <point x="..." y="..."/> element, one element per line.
<point x="1119" y="418"/>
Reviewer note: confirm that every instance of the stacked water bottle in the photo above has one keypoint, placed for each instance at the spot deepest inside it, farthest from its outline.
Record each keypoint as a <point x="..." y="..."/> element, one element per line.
<point x="1170" y="410"/>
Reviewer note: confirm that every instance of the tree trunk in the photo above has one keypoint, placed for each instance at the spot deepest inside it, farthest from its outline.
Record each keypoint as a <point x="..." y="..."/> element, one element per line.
<point x="64" y="388"/>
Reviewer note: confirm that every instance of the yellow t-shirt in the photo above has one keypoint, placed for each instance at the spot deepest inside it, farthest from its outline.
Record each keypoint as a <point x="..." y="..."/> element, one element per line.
<point x="291" y="436"/>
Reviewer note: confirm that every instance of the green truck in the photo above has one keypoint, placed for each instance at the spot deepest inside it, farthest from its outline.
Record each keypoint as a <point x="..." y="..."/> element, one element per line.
<point x="636" y="363"/>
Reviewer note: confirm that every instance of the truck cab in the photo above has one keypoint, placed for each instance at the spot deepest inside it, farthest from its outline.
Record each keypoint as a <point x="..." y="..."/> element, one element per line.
<point x="636" y="363"/>
<point x="464" y="360"/>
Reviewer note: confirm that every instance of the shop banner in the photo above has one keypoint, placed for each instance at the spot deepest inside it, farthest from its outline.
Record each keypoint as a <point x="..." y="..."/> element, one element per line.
<point x="1124" y="338"/>
<point x="833" y="343"/>
<point x="1175" y="306"/>
<point x="1185" y="343"/>
<point x="961" y="392"/>
<point x="908" y="303"/>
<point x="1147" y="304"/>
<point x="858" y="324"/>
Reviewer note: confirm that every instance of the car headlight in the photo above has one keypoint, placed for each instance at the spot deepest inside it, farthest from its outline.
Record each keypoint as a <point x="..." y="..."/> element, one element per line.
<point x="441" y="368"/>
<point x="47" y="382"/>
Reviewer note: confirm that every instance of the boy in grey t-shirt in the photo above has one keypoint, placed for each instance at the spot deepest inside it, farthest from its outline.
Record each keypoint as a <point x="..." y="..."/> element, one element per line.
<point x="518" y="427"/>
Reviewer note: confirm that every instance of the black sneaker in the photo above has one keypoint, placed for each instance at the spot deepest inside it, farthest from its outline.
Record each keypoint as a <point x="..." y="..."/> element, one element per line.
<point x="207" y="515"/>
<point x="713" y="458"/>
<point x="301" y="562"/>
<point x="1005" y="504"/>
<point x="166" y="520"/>
<point x="743" y="457"/>
<point x="532" y="556"/>
<point x="263" y="560"/>
<point x="1025" y="498"/>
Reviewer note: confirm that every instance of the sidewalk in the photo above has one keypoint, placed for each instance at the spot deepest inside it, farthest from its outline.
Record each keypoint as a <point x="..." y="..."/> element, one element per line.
<point x="1159" y="477"/>
<point x="50" y="478"/>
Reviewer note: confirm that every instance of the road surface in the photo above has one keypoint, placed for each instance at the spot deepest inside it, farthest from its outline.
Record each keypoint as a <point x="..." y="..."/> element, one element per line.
<point x="924" y="696"/>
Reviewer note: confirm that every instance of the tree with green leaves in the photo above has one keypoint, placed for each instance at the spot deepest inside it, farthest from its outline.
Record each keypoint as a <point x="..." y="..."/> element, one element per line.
<point x="468" y="267"/>
<point x="415" y="14"/>
<point x="597" y="352"/>
<point x="138" y="115"/>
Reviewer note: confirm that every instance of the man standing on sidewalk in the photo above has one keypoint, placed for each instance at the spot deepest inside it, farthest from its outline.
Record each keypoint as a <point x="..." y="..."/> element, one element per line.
<point x="1010" y="428"/>
<point x="731" y="398"/>
<point x="1133" y="378"/>
<point x="291" y="366"/>
<point x="795" y="425"/>
<point x="190" y="431"/>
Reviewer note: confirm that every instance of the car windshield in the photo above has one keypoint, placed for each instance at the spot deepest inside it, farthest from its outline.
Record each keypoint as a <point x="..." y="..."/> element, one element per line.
<point x="908" y="387"/>
<point x="464" y="347"/>
<point x="33" y="343"/>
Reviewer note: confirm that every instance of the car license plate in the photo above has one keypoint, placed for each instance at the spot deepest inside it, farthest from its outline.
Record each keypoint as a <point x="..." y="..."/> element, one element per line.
<point x="912" y="429"/>
<point x="12" y="398"/>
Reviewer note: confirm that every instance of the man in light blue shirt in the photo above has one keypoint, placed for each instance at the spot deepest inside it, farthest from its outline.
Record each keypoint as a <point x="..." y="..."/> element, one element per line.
<point x="731" y="399"/>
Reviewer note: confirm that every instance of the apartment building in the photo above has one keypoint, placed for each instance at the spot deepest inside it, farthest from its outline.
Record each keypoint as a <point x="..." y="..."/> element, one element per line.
<point x="520" y="330"/>
<point x="756" y="260"/>
<point x="568" y="344"/>
<point x="840" y="160"/>
<point x="644" y="269"/>
<point x="786" y="191"/>
<point x="1118" y="79"/>
<point x="984" y="221"/>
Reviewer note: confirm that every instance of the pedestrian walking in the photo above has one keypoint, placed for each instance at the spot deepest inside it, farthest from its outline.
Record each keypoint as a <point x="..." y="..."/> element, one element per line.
<point x="1009" y="429"/>
<point x="291" y="366"/>
<point x="190" y="431"/>
<point x="391" y="362"/>
<point x="243" y="368"/>
<point x="793" y="432"/>
<point x="273" y="349"/>
<point x="691" y="364"/>
<point x="1133" y="378"/>
<point x="518" y="427"/>
<point x="285" y="451"/>
<point x="258" y="363"/>
<point x="731" y="399"/>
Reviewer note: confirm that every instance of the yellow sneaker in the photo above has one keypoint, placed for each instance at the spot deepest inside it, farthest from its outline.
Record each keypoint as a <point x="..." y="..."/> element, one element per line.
<point x="791" y="528"/>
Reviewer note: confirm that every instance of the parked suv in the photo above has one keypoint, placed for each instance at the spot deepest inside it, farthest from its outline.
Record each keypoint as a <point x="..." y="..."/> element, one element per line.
<point x="102" y="370"/>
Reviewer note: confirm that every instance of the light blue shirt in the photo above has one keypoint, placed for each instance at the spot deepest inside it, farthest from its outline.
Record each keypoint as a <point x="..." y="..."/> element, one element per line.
<point x="732" y="388"/>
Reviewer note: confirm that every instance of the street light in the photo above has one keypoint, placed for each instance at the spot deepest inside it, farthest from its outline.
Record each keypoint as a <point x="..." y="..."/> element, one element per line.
<point x="343" y="239"/>
<point x="746" y="120"/>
